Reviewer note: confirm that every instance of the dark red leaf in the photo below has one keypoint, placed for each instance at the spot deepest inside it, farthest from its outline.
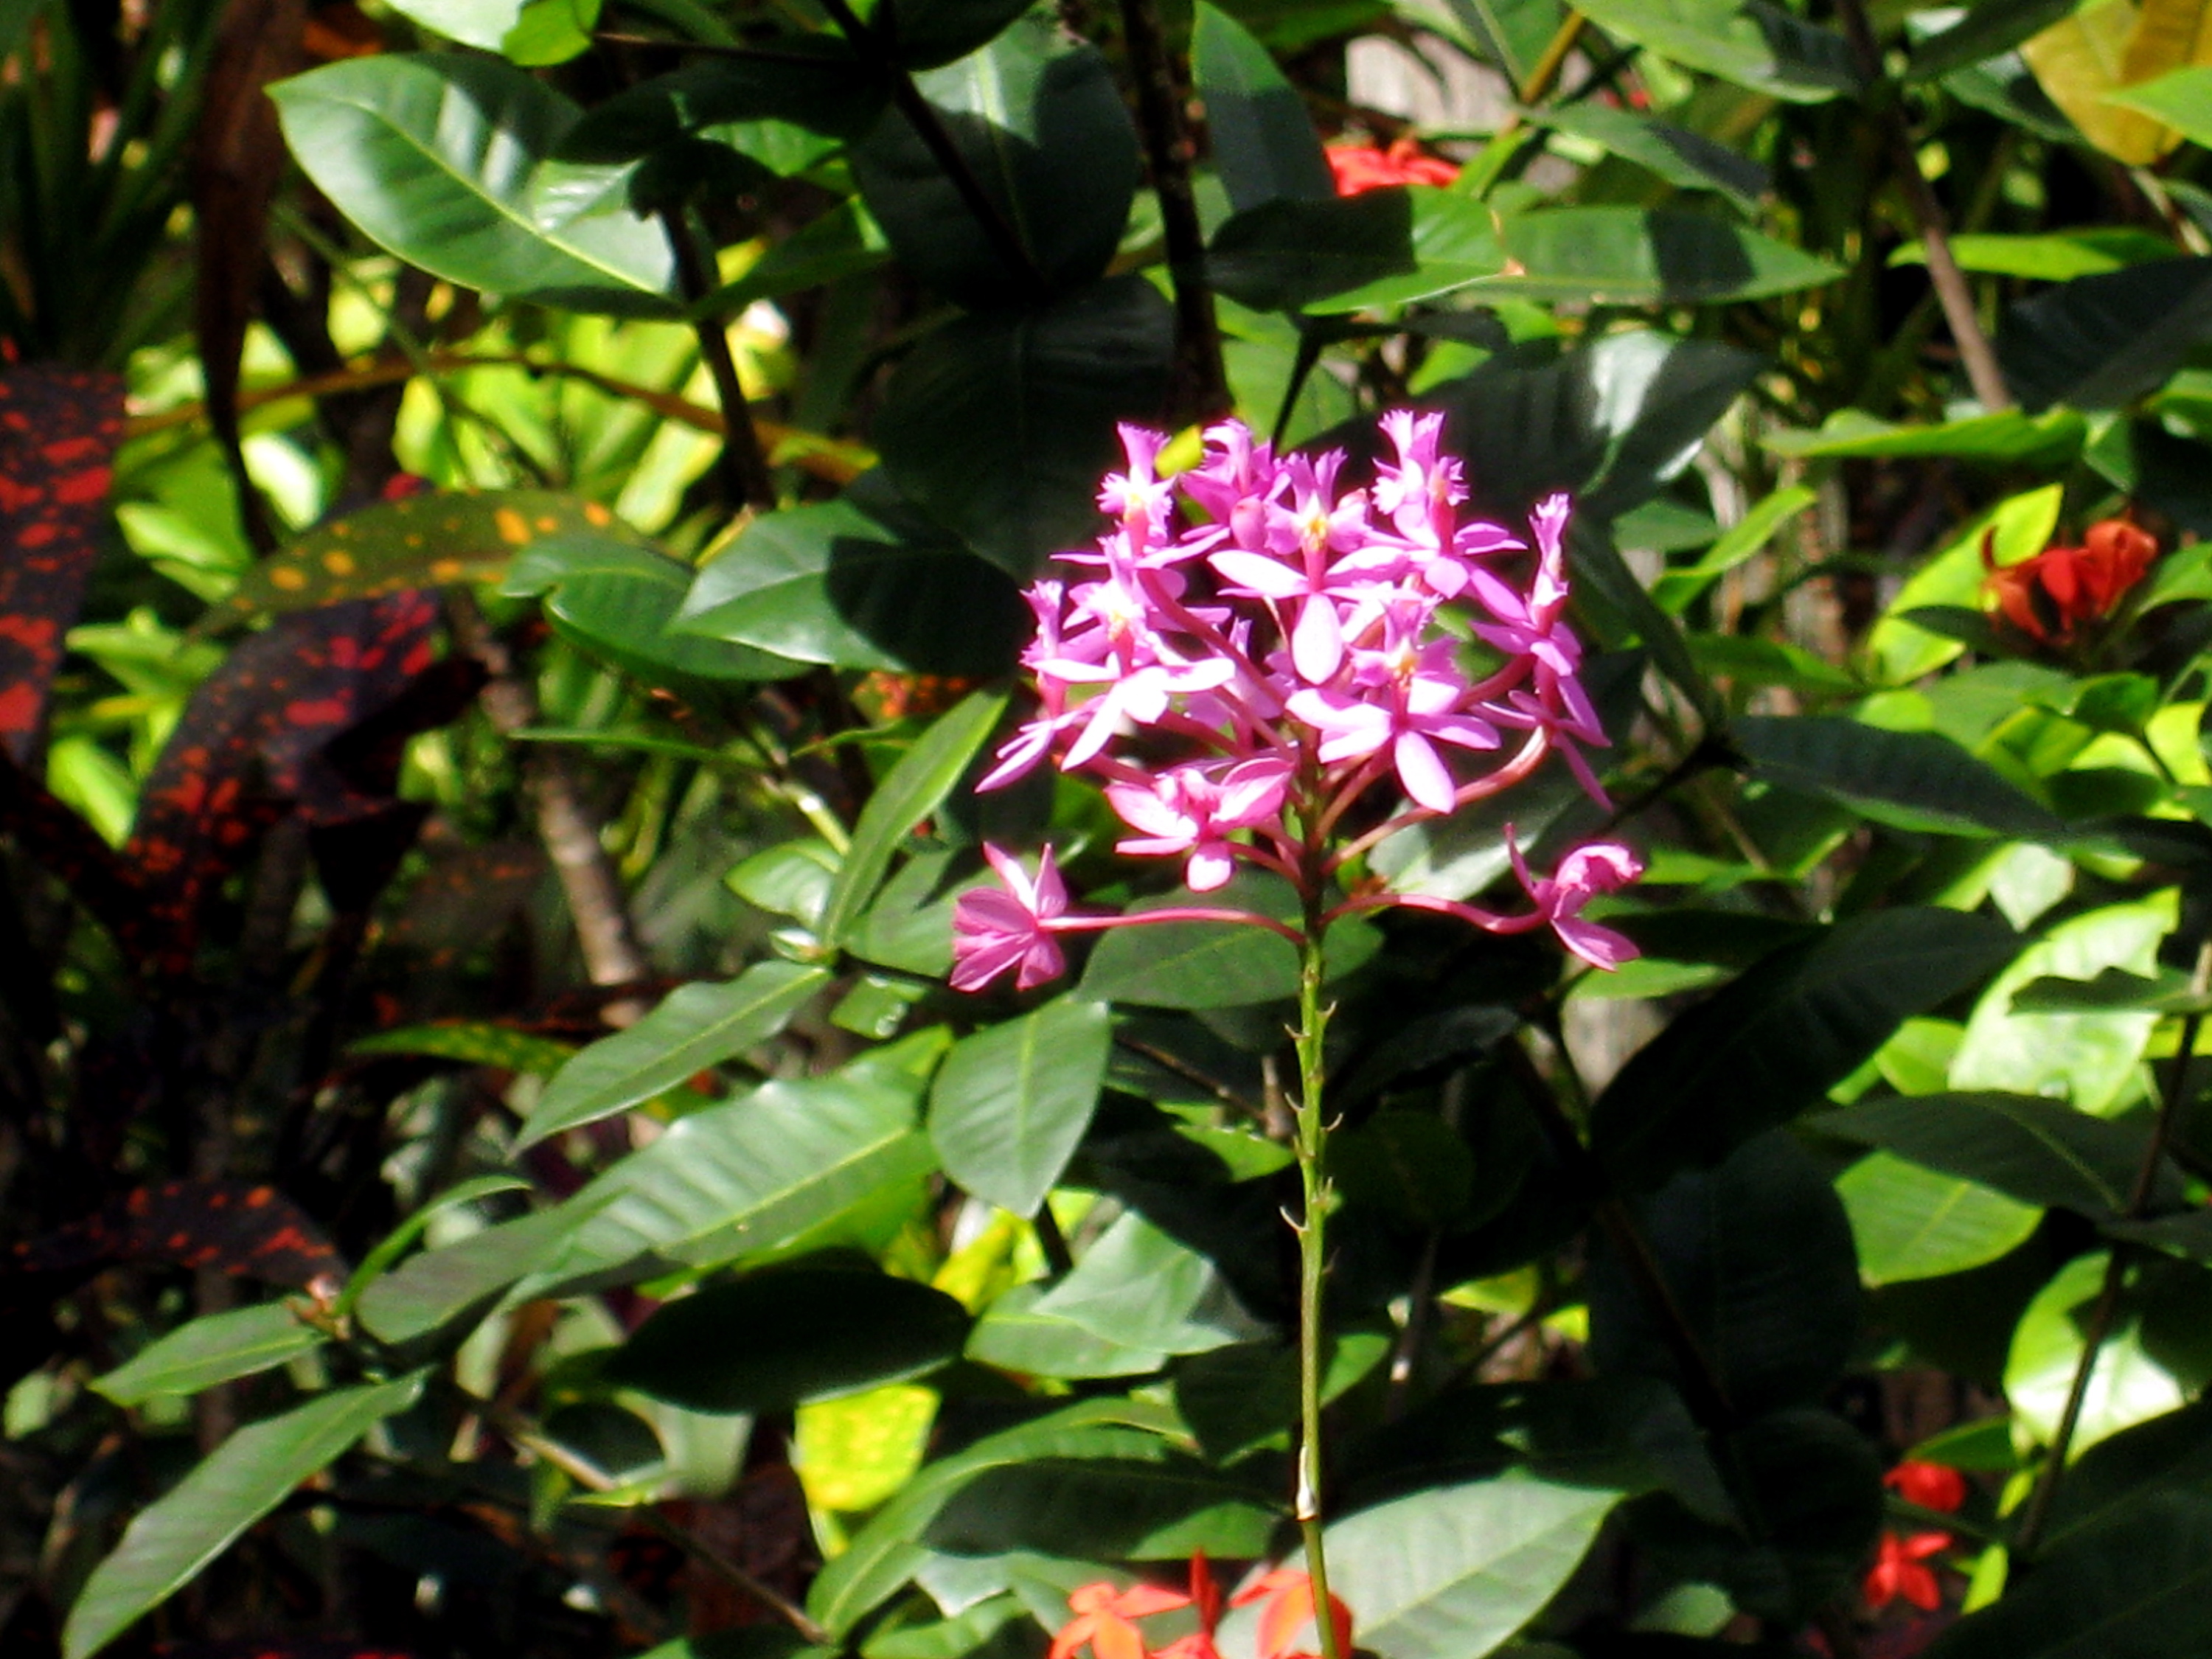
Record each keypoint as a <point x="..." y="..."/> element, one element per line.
<point x="58" y="431"/>
<point x="276" y="1647"/>
<point x="254" y="1232"/>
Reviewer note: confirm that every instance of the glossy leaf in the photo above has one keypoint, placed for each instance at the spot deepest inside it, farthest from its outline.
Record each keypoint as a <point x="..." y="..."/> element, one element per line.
<point x="1381" y="248"/>
<point x="1771" y="1044"/>
<point x="2041" y="1151"/>
<point x="1042" y="129"/>
<point x="1215" y="964"/>
<point x="1908" y="780"/>
<point x="1751" y="44"/>
<point x="433" y="1290"/>
<point x="697" y="1026"/>
<point x="1011" y="1103"/>
<point x="1015" y="1336"/>
<point x="772" y="1340"/>
<point x="248" y="1475"/>
<point x="1647" y="256"/>
<point x="447" y="161"/>
<point x="1265" y="147"/>
<point x="812" y="81"/>
<point x="1138" y="1286"/>
<point x="839" y="583"/>
<point x="1087" y="1507"/>
<point x="1684" y="158"/>
<point x="2127" y="1384"/>
<point x="741" y="1180"/>
<point x="913" y="789"/>
<point x="999" y="425"/>
<point x="211" y="1349"/>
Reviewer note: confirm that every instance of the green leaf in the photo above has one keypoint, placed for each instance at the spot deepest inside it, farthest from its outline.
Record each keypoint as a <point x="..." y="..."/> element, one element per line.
<point x="2102" y="342"/>
<point x="1450" y="1573"/>
<point x="2039" y="1150"/>
<point x="696" y="1026"/>
<point x="1675" y="588"/>
<point x="1245" y="1396"/>
<point x="813" y="82"/>
<point x="999" y="425"/>
<point x="857" y="583"/>
<point x="211" y="1349"/>
<point x="2017" y="526"/>
<point x="429" y="540"/>
<point x="1409" y="1165"/>
<point x="845" y="242"/>
<point x="617" y="603"/>
<point x="913" y="789"/>
<point x="476" y="1042"/>
<point x="1909" y="1222"/>
<point x="528" y="32"/>
<point x="1215" y="964"/>
<point x="1014" y="1336"/>
<point x="2053" y="259"/>
<point x="396" y="1243"/>
<point x="1381" y="247"/>
<point x="1010" y="1104"/>
<point x="429" y="1291"/>
<point x="1647" y="256"/>
<point x="2138" y="1586"/>
<point x="2181" y="98"/>
<point x="2127" y="1385"/>
<point x="253" y="1472"/>
<point x="448" y="161"/>
<point x="1093" y="1509"/>
<point x="1753" y="44"/>
<point x="931" y="32"/>
<point x="1042" y="129"/>
<point x="1688" y="159"/>
<point x="1987" y="30"/>
<point x="1138" y="1287"/>
<point x="740" y="1181"/>
<point x="1773" y="1043"/>
<point x="885" y="1553"/>
<point x="2051" y="438"/>
<point x="770" y="1340"/>
<point x="1757" y="1256"/>
<point x="1265" y="147"/>
<point x="1919" y="781"/>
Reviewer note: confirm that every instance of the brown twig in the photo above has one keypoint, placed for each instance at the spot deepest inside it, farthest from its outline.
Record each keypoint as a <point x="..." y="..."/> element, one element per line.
<point x="1201" y="389"/>
<point x="1975" y="352"/>
<point x="743" y="466"/>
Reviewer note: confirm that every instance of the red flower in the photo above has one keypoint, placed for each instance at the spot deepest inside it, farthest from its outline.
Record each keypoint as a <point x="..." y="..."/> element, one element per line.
<point x="2049" y="596"/>
<point x="1900" y="1568"/>
<point x="1931" y="1486"/>
<point x="1361" y="167"/>
<point x="1290" y="1608"/>
<point x="1104" y="1619"/>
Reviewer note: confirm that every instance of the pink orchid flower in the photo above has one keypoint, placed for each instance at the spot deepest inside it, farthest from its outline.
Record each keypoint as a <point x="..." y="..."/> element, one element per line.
<point x="1185" y="810"/>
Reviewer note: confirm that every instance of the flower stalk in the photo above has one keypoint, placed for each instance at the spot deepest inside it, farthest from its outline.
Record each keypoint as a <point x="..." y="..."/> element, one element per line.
<point x="1312" y="1138"/>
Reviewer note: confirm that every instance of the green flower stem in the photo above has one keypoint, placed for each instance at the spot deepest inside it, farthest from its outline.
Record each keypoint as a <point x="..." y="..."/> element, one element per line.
<point x="1312" y="1133"/>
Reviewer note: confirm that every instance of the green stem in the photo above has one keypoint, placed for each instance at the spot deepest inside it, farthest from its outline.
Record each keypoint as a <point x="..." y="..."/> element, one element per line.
<point x="1312" y="1132"/>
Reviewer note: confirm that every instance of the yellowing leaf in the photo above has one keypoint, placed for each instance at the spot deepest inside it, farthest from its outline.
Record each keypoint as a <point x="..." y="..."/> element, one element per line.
<point x="855" y="1452"/>
<point x="2110" y="46"/>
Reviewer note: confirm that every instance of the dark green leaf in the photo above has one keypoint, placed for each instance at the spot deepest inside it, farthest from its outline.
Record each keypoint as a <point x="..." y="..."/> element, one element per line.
<point x="1757" y="1256"/>
<point x="914" y="789"/>
<point x="1993" y="26"/>
<point x="1771" y="1045"/>
<point x="234" y="1486"/>
<point x="1043" y="131"/>
<point x="1753" y="45"/>
<point x="2050" y="438"/>
<point x="1216" y="964"/>
<point x="927" y="34"/>
<point x="431" y="1291"/>
<point x="1246" y="1396"/>
<point x="447" y="161"/>
<point x="1381" y="247"/>
<point x="1917" y="780"/>
<point x="1010" y="1104"/>
<point x="812" y="81"/>
<point x="2041" y="1151"/>
<point x="617" y="603"/>
<point x="843" y="583"/>
<point x="1090" y="1509"/>
<point x="773" y="1339"/>
<point x="211" y="1349"/>
<point x="1138" y="1287"/>
<point x="1015" y="1336"/>
<point x="1410" y="1166"/>
<point x="2102" y="342"/>
<point x="697" y="1026"/>
<point x="1681" y="157"/>
<point x="1265" y="147"/>
<point x="1647" y="256"/>
<point x="1000" y="425"/>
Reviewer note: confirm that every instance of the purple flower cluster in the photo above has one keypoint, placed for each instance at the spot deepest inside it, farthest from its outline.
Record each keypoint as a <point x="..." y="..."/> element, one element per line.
<point x="1252" y="650"/>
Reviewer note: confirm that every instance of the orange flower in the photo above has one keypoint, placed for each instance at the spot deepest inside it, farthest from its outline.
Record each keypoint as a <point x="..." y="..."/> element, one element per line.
<point x="1361" y="167"/>
<point x="1290" y="1610"/>
<point x="1931" y="1486"/>
<point x="1900" y="1568"/>
<point x="1105" y="1618"/>
<point x="2049" y="596"/>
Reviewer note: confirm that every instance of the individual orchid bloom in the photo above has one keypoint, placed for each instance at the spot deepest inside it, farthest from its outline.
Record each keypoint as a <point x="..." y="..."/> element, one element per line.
<point x="1416" y="703"/>
<point x="998" y="929"/>
<point x="1105" y="1620"/>
<point x="1187" y="810"/>
<point x="1598" y="866"/>
<point x="1140" y="498"/>
<point x="1289" y="1594"/>
<point x="1559" y="708"/>
<point x="1418" y="492"/>
<point x="1900" y="1568"/>
<point x="1534" y="624"/>
<point x="1234" y="482"/>
<point x="1140" y="699"/>
<point x="1931" y="1486"/>
<point x="1303" y="536"/>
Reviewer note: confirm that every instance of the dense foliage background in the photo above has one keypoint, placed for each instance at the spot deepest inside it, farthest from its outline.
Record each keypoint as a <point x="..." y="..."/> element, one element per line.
<point x="511" y="525"/>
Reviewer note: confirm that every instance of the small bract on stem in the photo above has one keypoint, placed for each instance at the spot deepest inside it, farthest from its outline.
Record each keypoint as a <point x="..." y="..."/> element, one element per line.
<point x="1265" y="667"/>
